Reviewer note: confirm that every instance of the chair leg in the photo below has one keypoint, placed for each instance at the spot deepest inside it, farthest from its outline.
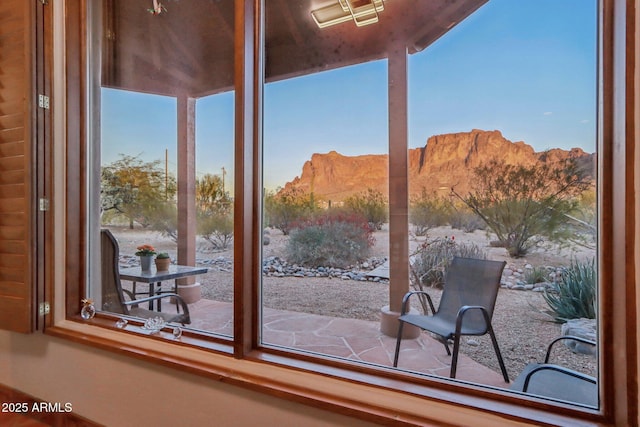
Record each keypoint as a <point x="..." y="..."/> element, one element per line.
<point x="445" y="343"/>
<point x="398" y="341"/>
<point x="454" y="358"/>
<point x="497" y="350"/>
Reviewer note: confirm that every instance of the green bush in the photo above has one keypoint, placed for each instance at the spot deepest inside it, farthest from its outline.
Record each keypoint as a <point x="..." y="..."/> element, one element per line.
<point x="329" y="240"/>
<point x="371" y="204"/>
<point x="427" y="211"/>
<point x="535" y="275"/>
<point x="216" y="228"/>
<point x="432" y="259"/>
<point x="286" y="207"/>
<point x="574" y="295"/>
<point x="463" y="218"/>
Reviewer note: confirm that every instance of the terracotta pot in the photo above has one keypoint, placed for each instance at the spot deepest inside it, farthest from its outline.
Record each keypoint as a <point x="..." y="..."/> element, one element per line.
<point x="163" y="264"/>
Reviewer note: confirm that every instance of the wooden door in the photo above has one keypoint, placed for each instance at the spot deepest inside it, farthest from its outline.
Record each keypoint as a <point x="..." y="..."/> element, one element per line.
<point x="22" y="133"/>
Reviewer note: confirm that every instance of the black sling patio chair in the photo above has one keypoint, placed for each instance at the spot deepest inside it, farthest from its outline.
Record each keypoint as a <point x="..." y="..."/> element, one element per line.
<point x="466" y="307"/>
<point x="558" y="382"/>
<point x="113" y="295"/>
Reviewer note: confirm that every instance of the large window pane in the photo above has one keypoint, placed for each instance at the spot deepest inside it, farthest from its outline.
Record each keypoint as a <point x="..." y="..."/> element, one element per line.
<point x="501" y="165"/>
<point x="162" y="156"/>
<point x="503" y="117"/>
<point x="325" y="168"/>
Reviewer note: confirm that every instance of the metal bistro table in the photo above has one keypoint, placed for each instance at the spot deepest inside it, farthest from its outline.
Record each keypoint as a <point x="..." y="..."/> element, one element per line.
<point x="153" y="277"/>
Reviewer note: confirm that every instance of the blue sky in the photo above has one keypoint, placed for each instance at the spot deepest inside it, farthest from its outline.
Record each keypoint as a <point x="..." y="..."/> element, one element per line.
<point x="524" y="67"/>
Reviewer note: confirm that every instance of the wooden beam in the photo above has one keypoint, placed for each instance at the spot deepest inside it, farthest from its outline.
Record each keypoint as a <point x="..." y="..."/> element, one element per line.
<point x="398" y="179"/>
<point x="186" y="182"/>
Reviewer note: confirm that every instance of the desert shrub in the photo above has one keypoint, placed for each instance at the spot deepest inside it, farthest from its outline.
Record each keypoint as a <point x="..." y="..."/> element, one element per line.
<point x="329" y="240"/>
<point x="214" y="210"/>
<point x="535" y="275"/>
<point x="371" y="204"/>
<point x="432" y="259"/>
<point x="285" y="207"/>
<point x="574" y="295"/>
<point x="524" y="204"/>
<point x="216" y="228"/>
<point x="427" y="211"/>
<point x="164" y="219"/>
<point x="463" y="218"/>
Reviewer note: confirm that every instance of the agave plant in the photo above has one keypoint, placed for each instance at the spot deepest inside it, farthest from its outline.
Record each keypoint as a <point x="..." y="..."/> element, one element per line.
<point x="574" y="295"/>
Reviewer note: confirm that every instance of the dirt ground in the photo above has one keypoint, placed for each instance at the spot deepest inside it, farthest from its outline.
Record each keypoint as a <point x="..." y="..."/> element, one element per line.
<point x="522" y="328"/>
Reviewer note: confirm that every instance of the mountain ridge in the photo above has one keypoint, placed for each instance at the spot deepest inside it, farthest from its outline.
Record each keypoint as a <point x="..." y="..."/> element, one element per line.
<point x="446" y="161"/>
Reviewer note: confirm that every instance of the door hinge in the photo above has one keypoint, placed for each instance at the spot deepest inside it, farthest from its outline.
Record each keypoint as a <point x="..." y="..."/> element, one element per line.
<point x="44" y="308"/>
<point x="43" y="205"/>
<point x="45" y="2"/>
<point x="43" y="101"/>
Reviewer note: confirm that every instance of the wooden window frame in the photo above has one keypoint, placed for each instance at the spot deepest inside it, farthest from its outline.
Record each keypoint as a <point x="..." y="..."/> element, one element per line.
<point x="349" y="389"/>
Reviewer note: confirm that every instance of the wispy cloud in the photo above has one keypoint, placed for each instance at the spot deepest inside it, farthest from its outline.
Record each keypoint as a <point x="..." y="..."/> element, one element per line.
<point x="584" y="121"/>
<point x="547" y="113"/>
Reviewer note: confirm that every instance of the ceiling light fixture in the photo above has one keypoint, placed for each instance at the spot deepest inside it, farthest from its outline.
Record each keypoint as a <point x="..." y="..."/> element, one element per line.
<point x="362" y="12"/>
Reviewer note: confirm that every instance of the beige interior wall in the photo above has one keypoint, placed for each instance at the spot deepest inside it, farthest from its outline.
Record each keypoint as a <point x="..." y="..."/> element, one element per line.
<point x="120" y="391"/>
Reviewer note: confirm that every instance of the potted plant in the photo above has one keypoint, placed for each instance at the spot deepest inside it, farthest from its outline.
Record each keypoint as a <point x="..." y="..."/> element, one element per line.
<point x="163" y="261"/>
<point x="146" y="253"/>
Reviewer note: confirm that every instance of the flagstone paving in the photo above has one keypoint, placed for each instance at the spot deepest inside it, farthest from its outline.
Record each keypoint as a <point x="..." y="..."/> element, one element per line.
<point x="352" y="339"/>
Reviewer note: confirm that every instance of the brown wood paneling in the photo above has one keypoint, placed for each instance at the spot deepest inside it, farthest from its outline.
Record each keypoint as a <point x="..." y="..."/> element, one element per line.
<point x="17" y="84"/>
<point x="13" y="220"/>
<point x="12" y="233"/>
<point x="11" y="163"/>
<point x="10" y="106"/>
<point x="12" y="148"/>
<point x="12" y="135"/>
<point x="12" y="177"/>
<point x="11" y="191"/>
<point x="11" y="121"/>
<point x="13" y="288"/>
<point x="17" y="205"/>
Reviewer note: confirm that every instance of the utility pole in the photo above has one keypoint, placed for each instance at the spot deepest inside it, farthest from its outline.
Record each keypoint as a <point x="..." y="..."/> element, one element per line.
<point x="166" y="174"/>
<point x="224" y="172"/>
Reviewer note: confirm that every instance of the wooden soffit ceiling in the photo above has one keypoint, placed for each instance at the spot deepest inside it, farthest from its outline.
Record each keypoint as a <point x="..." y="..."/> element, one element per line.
<point x="188" y="49"/>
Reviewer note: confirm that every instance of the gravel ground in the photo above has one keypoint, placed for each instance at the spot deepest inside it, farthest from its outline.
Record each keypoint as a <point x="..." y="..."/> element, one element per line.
<point x="523" y="330"/>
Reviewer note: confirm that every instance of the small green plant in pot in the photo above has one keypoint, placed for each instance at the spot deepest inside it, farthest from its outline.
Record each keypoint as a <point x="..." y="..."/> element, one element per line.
<point x="163" y="261"/>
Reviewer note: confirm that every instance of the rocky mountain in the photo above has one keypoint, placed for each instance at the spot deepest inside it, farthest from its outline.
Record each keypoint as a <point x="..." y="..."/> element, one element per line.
<point x="445" y="161"/>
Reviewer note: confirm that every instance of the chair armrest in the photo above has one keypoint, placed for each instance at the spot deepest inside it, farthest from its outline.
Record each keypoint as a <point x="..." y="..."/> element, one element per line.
<point x="560" y="369"/>
<point x="463" y="310"/>
<point x="405" y="301"/>
<point x="566" y="337"/>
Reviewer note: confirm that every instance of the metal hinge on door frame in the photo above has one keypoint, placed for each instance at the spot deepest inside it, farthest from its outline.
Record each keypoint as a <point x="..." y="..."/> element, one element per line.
<point x="43" y="101"/>
<point x="43" y="204"/>
<point x="45" y="2"/>
<point x="44" y="308"/>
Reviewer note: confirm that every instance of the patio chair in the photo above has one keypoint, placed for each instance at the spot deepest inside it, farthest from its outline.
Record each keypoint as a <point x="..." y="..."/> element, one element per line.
<point x="558" y="382"/>
<point x="113" y="295"/>
<point x="466" y="307"/>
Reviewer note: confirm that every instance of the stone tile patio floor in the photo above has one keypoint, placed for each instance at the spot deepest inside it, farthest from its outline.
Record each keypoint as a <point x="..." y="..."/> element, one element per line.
<point x="353" y="339"/>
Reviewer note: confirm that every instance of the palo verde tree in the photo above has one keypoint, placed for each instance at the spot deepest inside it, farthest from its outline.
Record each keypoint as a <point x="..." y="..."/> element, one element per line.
<point x="523" y="204"/>
<point x="284" y="207"/>
<point x="214" y="211"/>
<point x="371" y="204"/>
<point x="427" y="211"/>
<point x="136" y="189"/>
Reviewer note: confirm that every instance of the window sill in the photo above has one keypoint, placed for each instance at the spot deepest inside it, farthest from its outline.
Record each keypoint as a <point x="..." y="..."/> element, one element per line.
<point x="338" y="389"/>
